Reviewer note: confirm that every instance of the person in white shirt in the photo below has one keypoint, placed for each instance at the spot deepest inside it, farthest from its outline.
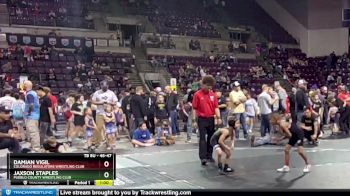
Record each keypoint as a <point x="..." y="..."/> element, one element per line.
<point x="7" y="100"/>
<point x="265" y="101"/>
<point x="251" y="111"/>
<point x="100" y="98"/>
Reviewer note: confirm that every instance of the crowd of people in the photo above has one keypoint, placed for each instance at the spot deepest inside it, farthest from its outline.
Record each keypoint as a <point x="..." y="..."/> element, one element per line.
<point x="30" y="114"/>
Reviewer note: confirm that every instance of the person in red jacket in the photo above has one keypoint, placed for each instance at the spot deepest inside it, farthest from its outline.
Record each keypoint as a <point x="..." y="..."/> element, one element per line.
<point x="344" y="96"/>
<point x="205" y="110"/>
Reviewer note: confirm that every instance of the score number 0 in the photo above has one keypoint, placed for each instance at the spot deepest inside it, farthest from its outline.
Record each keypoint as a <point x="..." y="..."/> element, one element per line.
<point x="106" y="164"/>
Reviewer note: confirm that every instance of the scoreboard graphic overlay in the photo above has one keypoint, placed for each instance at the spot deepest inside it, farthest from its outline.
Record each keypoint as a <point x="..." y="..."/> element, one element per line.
<point x="61" y="169"/>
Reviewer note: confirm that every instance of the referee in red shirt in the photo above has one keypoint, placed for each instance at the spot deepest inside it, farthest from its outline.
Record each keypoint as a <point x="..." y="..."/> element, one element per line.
<point x="205" y="109"/>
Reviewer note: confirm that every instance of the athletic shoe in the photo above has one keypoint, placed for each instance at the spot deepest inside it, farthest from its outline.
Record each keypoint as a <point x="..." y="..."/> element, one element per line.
<point x="188" y="141"/>
<point x="285" y="168"/>
<point x="252" y="140"/>
<point x="307" y="168"/>
<point x="109" y="148"/>
<point x="228" y="169"/>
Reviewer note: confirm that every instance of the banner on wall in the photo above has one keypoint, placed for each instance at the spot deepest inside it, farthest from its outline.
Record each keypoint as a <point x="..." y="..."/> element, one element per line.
<point x="41" y="40"/>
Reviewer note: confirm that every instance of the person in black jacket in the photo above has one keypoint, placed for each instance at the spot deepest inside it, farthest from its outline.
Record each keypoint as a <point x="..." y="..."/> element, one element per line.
<point x="150" y="101"/>
<point x="171" y="104"/>
<point x="301" y="99"/>
<point x="138" y="107"/>
<point x="126" y="108"/>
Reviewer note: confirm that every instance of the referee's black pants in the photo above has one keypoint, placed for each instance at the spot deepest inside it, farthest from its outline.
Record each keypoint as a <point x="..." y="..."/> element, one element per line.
<point x="206" y="128"/>
<point x="343" y="120"/>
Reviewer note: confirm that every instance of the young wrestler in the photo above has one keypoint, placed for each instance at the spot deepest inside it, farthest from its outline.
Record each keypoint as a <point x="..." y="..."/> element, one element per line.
<point x="219" y="146"/>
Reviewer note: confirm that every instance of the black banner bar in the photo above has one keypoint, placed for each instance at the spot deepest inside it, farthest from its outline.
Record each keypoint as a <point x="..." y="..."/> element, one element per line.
<point x="41" y="40"/>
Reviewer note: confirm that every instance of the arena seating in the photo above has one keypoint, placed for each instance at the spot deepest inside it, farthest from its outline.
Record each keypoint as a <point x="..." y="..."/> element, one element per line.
<point x="37" y="13"/>
<point x="242" y="66"/>
<point x="63" y="65"/>
<point x="178" y="18"/>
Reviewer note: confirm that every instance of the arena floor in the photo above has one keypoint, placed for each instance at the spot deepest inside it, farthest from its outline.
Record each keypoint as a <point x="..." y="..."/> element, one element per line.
<point x="178" y="167"/>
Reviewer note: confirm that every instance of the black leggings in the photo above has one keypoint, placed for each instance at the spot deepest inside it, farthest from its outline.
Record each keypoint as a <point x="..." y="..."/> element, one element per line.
<point x="344" y="120"/>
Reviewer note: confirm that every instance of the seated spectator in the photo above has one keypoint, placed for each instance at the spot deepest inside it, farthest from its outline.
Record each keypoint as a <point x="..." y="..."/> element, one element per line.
<point x="52" y="14"/>
<point x="7" y="86"/>
<point x="142" y="137"/>
<point x="51" y="75"/>
<point x="105" y="67"/>
<point x="9" y="135"/>
<point x="108" y="78"/>
<point x="230" y="47"/>
<point x="23" y="70"/>
<point x="7" y="67"/>
<point x="53" y="52"/>
<point x="19" y="11"/>
<point x="164" y="134"/>
<point x="36" y="9"/>
<point x="62" y="10"/>
<point x="51" y="34"/>
<point x="51" y="145"/>
<point x="34" y="76"/>
<point x="28" y="53"/>
<point x="18" y="49"/>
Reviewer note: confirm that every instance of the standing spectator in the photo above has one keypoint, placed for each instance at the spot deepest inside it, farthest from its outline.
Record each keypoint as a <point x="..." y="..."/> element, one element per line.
<point x="127" y="109"/>
<point x="138" y="107"/>
<point x="161" y="111"/>
<point x="223" y="108"/>
<point x="301" y="99"/>
<point x="54" y="102"/>
<point x="32" y="115"/>
<point x="17" y="114"/>
<point x="205" y="108"/>
<point x="252" y="110"/>
<point x="282" y="95"/>
<point x="171" y="104"/>
<point x="344" y="109"/>
<point x="265" y="103"/>
<point x="100" y="98"/>
<point x="79" y="118"/>
<point x="238" y="100"/>
<point x="7" y="100"/>
<point x="46" y="115"/>
<point x="189" y="110"/>
<point x="151" y="107"/>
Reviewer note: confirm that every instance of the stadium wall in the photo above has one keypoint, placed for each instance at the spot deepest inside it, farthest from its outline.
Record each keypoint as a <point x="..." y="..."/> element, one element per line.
<point x="315" y="41"/>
